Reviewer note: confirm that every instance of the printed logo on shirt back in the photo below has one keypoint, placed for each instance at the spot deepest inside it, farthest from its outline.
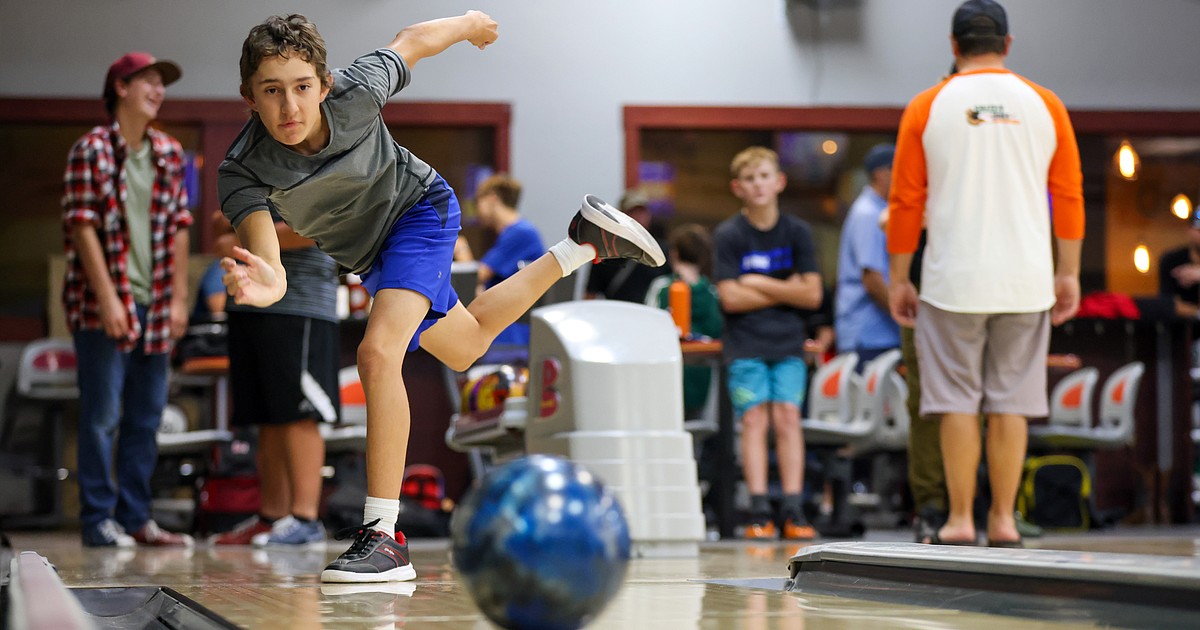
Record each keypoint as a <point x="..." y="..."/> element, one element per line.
<point x="981" y="114"/>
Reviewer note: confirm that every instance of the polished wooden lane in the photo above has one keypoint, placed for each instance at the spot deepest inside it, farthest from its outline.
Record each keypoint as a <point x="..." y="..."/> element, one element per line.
<point x="279" y="589"/>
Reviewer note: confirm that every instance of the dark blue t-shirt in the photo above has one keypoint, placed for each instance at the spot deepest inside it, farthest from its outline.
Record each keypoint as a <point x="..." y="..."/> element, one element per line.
<point x="776" y="332"/>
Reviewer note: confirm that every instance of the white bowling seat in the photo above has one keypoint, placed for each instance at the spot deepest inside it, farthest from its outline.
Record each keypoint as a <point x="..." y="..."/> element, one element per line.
<point x="656" y="287"/>
<point x="351" y="434"/>
<point x="869" y="414"/>
<point x="892" y="434"/>
<point x="831" y="398"/>
<point x="1071" y="398"/>
<point x="47" y="370"/>
<point x="1118" y="400"/>
<point x="832" y="416"/>
<point x="175" y="439"/>
<point x="707" y="421"/>
<point x="190" y="442"/>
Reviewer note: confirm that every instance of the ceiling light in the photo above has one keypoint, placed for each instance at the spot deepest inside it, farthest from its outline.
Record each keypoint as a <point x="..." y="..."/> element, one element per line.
<point x="1141" y="259"/>
<point x="1128" y="163"/>
<point x="1181" y="206"/>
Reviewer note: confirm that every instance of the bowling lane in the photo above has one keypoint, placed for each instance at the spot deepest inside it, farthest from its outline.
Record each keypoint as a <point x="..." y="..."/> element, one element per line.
<point x="261" y="589"/>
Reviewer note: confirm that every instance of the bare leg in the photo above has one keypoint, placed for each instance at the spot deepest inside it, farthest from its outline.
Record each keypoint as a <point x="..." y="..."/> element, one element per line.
<point x="789" y="446"/>
<point x="466" y="332"/>
<point x="460" y="338"/>
<point x="306" y="455"/>
<point x="273" y="487"/>
<point x="1007" y="435"/>
<point x="395" y="315"/>
<point x="754" y="448"/>
<point x="960" y="453"/>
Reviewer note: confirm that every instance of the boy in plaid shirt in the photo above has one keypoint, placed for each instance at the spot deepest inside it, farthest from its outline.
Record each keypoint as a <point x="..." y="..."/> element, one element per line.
<point x="125" y="219"/>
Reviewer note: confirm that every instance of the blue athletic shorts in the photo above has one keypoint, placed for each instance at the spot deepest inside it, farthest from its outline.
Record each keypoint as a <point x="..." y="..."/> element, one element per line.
<point x="755" y="381"/>
<point x="418" y="252"/>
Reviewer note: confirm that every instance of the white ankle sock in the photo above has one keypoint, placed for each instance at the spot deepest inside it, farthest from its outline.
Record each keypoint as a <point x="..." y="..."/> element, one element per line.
<point x="386" y="510"/>
<point x="571" y="255"/>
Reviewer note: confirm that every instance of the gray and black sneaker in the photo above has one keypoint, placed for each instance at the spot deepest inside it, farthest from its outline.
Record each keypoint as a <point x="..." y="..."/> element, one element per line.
<point x="613" y="234"/>
<point x="374" y="556"/>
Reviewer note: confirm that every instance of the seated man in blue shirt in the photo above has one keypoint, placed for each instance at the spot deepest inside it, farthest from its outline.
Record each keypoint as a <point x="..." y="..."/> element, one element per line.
<point x="863" y="322"/>
<point x="517" y="242"/>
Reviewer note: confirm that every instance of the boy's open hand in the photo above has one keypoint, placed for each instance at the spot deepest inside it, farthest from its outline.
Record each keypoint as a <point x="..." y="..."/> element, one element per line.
<point x="254" y="283"/>
<point x="485" y="32"/>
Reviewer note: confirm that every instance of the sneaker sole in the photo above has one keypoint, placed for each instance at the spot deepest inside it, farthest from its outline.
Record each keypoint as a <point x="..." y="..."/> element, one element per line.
<point x="399" y="574"/>
<point x="316" y="544"/>
<point x="214" y="542"/>
<point x="188" y="543"/>
<point x="609" y="218"/>
<point x="405" y="589"/>
<point x="115" y="545"/>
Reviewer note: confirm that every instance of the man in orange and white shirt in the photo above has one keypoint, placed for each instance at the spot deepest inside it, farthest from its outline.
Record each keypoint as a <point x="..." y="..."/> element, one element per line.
<point x="975" y="157"/>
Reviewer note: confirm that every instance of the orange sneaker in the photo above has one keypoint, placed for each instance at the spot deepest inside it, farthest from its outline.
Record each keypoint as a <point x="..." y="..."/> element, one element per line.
<point x="798" y="530"/>
<point x="758" y="531"/>
<point x="243" y="534"/>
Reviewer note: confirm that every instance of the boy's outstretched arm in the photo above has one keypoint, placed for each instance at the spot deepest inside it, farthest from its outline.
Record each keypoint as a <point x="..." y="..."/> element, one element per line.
<point x="261" y="281"/>
<point x="427" y="39"/>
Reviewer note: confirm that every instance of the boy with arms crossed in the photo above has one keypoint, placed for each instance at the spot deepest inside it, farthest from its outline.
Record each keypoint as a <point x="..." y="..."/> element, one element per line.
<point x="766" y="277"/>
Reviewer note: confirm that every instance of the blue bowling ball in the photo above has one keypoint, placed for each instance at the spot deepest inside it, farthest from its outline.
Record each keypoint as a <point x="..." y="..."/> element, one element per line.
<point x="540" y="543"/>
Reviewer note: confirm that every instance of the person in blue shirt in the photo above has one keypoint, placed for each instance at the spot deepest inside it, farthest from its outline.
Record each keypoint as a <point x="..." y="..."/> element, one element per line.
<point x="517" y="242"/>
<point x="210" y="295"/>
<point x="863" y="323"/>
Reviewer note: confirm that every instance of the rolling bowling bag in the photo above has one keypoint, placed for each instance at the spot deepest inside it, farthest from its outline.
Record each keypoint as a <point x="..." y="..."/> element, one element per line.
<point x="229" y="492"/>
<point x="1055" y="492"/>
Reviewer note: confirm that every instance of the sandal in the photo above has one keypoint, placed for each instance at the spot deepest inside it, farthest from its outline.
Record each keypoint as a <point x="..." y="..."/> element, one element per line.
<point x="926" y="524"/>
<point x="936" y="539"/>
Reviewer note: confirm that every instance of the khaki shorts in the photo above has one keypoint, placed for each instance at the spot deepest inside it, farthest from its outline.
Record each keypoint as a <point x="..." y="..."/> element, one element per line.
<point x="972" y="362"/>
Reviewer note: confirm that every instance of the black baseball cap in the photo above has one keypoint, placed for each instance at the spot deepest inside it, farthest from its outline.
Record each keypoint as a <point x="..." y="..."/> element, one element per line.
<point x="967" y="19"/>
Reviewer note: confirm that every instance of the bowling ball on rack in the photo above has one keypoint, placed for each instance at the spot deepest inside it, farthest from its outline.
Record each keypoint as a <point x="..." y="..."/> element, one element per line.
<point x="540" y="543"/>
<point x="486" y="394"/>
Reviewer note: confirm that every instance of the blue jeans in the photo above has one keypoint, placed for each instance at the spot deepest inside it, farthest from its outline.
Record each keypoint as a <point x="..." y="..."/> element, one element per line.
<point x="121" y="399"/>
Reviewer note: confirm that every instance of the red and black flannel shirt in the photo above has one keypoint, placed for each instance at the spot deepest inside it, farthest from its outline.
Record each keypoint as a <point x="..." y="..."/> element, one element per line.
<point x="94" y="193"/>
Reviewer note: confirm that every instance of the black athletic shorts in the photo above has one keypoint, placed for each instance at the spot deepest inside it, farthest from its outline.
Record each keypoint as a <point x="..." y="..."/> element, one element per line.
<point x="282" y="368"/>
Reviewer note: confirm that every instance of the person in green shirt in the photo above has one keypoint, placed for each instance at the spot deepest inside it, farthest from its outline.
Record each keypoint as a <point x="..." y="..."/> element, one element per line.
<point x="690" y="252"/>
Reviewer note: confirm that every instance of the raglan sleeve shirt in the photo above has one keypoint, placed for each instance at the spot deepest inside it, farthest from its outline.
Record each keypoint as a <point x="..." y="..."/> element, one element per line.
<point x="987" y="162"/>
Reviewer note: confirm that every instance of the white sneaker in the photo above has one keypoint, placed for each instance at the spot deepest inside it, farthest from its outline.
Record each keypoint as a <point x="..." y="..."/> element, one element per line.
<point x="107" y="533"/>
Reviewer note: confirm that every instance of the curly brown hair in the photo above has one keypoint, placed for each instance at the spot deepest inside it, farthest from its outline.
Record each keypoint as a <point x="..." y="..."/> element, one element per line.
<point x="281" y="36"/>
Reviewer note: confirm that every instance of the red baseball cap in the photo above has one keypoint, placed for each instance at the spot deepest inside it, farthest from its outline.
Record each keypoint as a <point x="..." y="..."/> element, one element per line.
<point x="134" y="62"/>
